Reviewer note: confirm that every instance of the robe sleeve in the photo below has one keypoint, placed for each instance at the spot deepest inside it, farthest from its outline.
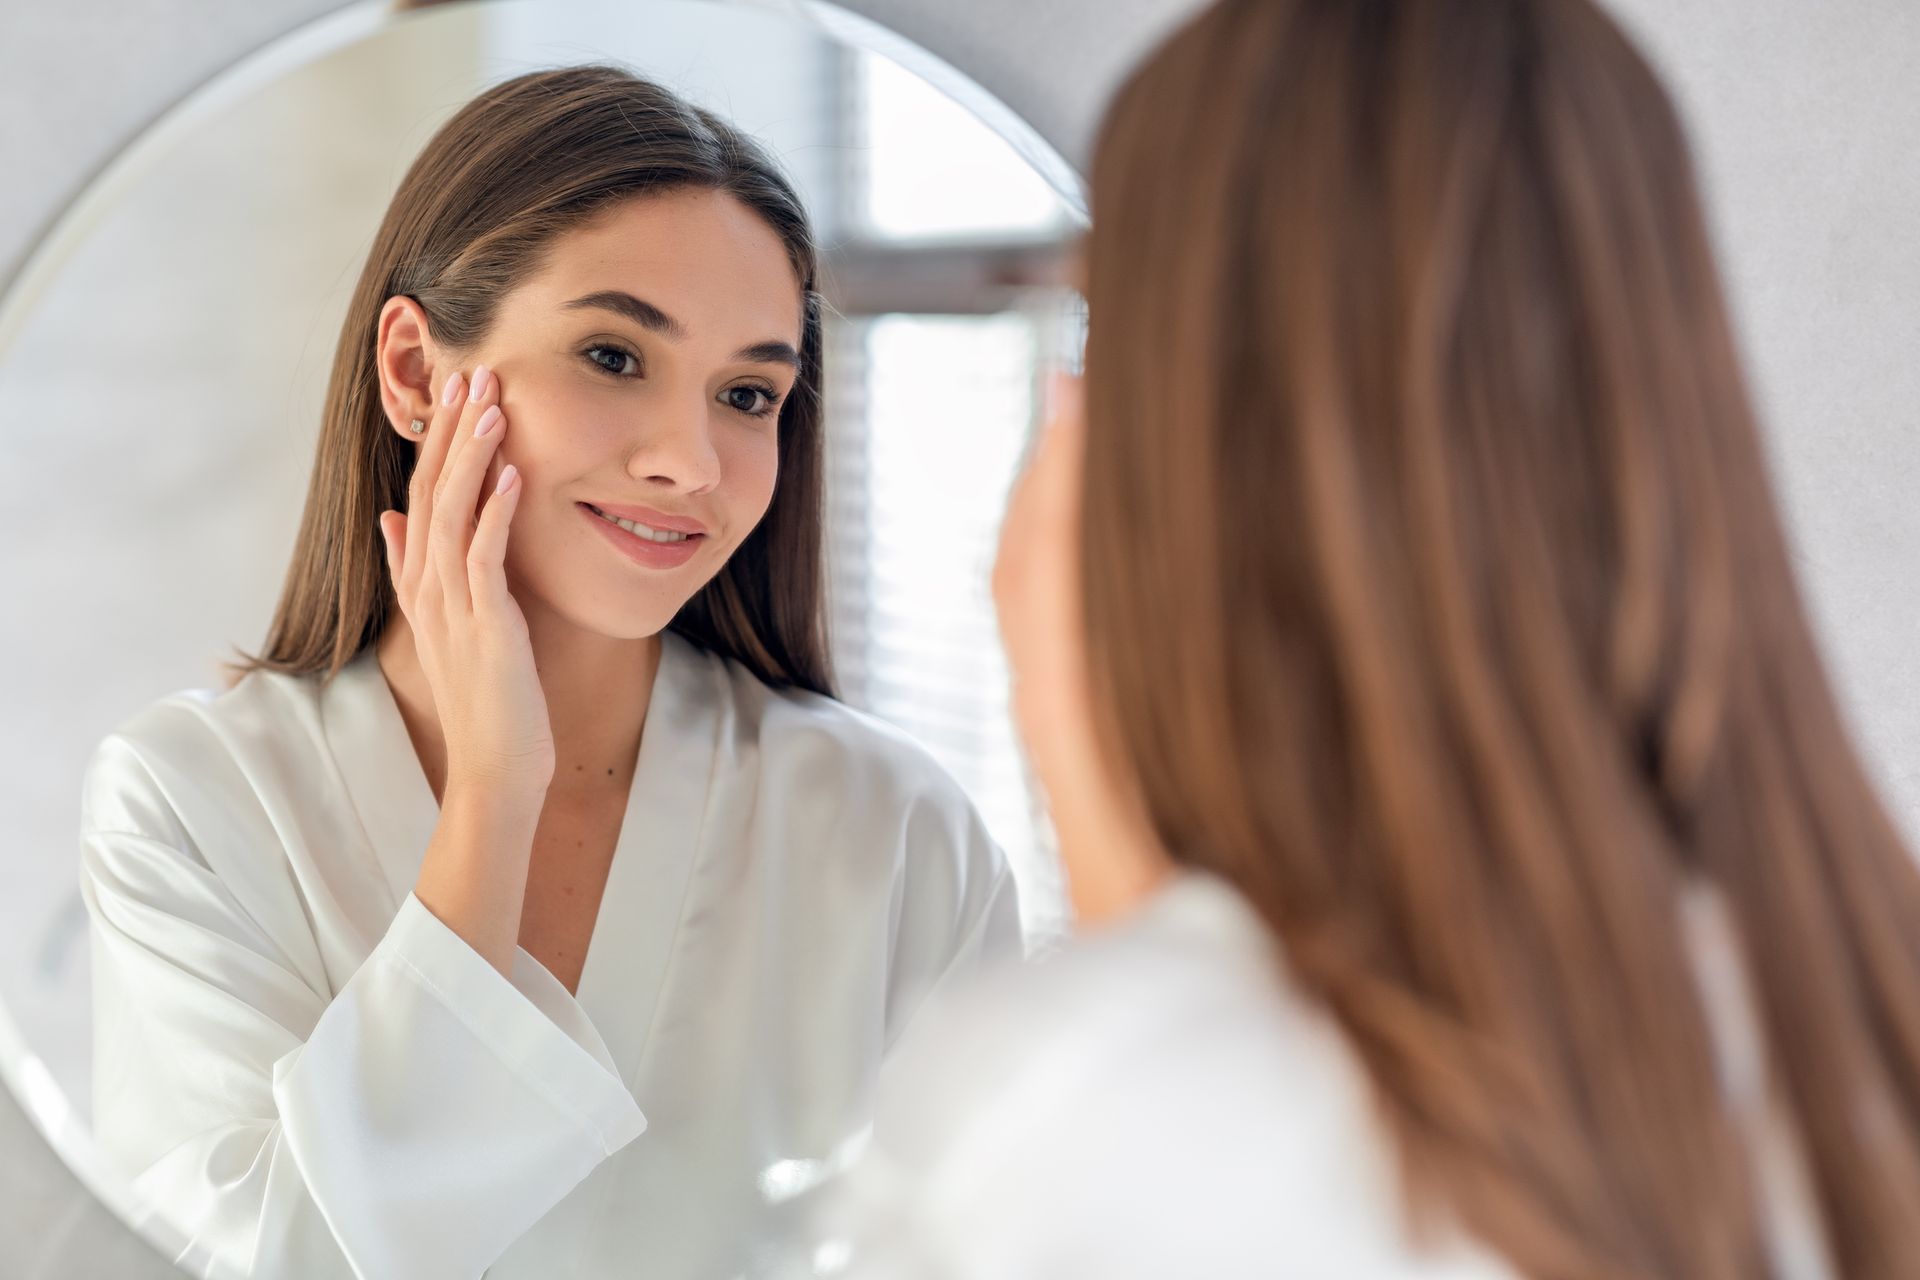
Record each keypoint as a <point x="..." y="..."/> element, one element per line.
<point x="414" y="1124"/>
<point x="957" y="912"/>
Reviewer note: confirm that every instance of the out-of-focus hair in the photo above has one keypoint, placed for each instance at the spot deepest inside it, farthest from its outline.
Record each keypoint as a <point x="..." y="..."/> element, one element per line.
<point x="1437" y="598"/>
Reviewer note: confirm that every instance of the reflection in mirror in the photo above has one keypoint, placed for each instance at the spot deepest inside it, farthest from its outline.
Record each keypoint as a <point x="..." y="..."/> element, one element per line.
<point x="164" y="367"/>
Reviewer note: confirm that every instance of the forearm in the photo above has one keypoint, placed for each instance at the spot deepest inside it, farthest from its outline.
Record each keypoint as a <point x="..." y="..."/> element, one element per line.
<point x="474" y="875"/>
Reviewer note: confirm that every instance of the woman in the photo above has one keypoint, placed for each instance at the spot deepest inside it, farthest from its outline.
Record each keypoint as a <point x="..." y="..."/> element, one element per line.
<point x="529" y="905"/>
<point x="1480" y="878"/>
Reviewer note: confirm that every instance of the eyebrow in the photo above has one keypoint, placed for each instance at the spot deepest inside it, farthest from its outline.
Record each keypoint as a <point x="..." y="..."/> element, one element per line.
<point x="654" y="320"/>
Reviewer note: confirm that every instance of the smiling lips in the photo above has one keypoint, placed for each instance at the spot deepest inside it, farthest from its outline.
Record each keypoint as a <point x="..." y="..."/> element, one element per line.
<point x="658" y="520"/>
<point x="649" y="532"/>
<point x="653" y="548"/>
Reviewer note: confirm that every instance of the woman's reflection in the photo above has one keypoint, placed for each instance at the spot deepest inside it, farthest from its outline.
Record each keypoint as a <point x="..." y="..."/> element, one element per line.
<point x="529" y="903"/>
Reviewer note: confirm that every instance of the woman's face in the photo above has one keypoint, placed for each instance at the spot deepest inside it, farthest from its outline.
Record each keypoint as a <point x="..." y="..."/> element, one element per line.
<point x="645" y="367"/>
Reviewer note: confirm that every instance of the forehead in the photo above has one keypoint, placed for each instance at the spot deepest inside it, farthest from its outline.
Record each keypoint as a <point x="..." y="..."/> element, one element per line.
<point x="701" y="256"/>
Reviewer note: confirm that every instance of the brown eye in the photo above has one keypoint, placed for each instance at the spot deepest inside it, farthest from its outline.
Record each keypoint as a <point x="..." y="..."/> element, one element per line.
<point x="617" y="365"/>
<point x="748" y="406"/>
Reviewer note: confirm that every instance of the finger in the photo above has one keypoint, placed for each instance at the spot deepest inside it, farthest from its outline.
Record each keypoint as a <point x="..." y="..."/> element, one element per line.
<point x="453" y="509"/>
<point x="393" y="538"/>
<point x="426" y="477"/>
<point x="1066" y="402"/>
<point x="1056" y="392"/>
<point x="487" y="558"/>
<point x="440" y="586"/>
<point x="473" y="401"/>
<point x="1061" y="456"/>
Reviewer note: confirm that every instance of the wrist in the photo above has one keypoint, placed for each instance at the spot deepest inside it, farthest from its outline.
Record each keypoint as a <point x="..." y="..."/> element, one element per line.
<point x="494" y="798"/>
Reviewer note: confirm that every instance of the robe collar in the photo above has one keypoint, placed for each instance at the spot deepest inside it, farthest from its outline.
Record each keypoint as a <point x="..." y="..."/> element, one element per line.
<point x="653" y="858"/>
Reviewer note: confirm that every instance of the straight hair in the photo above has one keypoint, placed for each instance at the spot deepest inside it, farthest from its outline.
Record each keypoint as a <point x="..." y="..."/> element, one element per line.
<point x="1436" y="597"/>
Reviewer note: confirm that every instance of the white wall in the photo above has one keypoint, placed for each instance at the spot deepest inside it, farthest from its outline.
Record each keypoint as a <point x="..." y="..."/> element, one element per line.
<point x="1805" y="116"/>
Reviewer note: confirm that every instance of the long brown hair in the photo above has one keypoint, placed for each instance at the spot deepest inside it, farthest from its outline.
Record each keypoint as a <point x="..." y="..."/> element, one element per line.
<point x="520" y="165"/>
<point x="1405" y="323"/>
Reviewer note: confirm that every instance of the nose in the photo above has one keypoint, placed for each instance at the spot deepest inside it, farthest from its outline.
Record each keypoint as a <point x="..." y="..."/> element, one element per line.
<point x="676" y="448"/>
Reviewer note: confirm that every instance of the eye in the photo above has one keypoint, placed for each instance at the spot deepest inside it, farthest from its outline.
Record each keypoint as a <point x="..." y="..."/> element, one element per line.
<point x="614" y="369"/>
<point x="749" y="389"/>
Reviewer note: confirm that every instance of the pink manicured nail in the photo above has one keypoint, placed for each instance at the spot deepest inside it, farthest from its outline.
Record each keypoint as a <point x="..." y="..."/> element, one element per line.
<point x="480" y="376"/>
<point x="451" y="392"/>
<point x="507" y="473"/>
<point x="488" y="420"/>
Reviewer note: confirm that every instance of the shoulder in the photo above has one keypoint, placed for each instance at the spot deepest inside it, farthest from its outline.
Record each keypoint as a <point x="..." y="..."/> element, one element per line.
<point x="1167" y="1060"/>
<point x="198" y="752"/>
<point x="187" y="809"/>
<point x="868" y="751"/>
<point x="848" y="763"/>
<point x="839" y="781"/>
<point x="1045" y="1030"/>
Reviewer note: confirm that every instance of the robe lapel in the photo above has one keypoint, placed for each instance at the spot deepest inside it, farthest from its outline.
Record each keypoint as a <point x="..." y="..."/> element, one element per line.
<point x="384" y="779"/>
<point x="634" y="930"/>
<point x="634" y="933"/>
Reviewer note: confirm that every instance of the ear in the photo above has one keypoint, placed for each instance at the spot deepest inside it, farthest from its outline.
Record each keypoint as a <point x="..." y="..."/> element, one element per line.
<point x="408" y="363"/>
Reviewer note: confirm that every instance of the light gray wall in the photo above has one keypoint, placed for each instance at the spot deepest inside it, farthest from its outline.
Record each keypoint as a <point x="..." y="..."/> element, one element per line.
<point x="79" y="81"/>
<point x="1805" y="117"/>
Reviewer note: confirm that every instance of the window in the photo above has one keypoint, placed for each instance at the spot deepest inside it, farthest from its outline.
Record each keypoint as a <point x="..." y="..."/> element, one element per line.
<point x="951" y="309"/>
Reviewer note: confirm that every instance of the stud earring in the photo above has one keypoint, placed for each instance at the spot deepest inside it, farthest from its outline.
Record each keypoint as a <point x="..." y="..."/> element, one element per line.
<point x="417" y="426"/>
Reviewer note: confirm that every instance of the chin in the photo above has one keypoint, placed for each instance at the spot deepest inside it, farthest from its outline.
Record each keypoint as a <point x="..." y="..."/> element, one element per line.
<point x="619" y="611"/>
<point x="633" y="619"/>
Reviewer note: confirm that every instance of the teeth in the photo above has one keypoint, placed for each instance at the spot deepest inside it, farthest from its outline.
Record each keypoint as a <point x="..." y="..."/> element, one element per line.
<point x="650" y="534"/>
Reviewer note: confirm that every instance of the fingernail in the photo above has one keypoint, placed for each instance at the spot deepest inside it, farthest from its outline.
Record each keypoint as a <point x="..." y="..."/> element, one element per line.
<point x="507" y="473"/>
<point x="452" y="390"/>
<point x="480" y="376"/>
<point x="488" y="420"/>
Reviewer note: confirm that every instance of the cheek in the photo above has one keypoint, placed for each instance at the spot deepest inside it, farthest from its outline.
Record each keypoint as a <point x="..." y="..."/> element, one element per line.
<point x="552" y="440"/>
<point x="749" y="469"/>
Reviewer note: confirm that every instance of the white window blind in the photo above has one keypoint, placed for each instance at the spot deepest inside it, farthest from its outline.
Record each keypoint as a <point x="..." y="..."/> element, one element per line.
<point x="930" y="412"/>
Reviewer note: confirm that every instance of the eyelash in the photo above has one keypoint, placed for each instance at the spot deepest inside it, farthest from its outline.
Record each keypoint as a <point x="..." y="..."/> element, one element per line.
<point x="772" y="397"/>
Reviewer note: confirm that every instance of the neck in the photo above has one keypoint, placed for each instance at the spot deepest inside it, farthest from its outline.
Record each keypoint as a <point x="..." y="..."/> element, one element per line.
<point x="597" y="690"/>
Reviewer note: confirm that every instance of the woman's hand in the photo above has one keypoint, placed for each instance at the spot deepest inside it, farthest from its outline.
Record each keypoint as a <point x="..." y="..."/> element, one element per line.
<point x="1111" y="858"/>
<point x="449" y="574"/>
<point x="1036" y="594"/>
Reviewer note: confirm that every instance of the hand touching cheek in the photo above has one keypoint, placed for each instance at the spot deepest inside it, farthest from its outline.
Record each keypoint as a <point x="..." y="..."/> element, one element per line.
<point x="1110" y="858"/>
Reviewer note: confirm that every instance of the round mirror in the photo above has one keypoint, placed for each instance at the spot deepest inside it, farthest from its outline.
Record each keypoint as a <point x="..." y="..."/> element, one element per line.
<point x="165" y="351"/>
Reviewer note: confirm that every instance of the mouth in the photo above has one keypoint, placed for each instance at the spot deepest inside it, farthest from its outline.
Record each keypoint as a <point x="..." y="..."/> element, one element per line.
<point x="647" y="547"/>
<point x="639" y="530"/>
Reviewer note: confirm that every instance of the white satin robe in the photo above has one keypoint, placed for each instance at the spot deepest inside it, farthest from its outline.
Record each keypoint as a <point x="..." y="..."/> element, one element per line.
<point x="314" y="1077"/>
<point x="1161" y="1099"/>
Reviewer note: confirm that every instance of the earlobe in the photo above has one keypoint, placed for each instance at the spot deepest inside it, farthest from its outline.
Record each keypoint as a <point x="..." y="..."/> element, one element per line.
<point x="408" y="424"/>
<point x="404" y="364"/>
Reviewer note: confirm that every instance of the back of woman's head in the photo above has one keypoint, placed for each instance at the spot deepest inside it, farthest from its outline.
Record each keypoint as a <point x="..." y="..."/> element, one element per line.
<point x="476" y="216"/>
<point x="1437" y="598"/>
